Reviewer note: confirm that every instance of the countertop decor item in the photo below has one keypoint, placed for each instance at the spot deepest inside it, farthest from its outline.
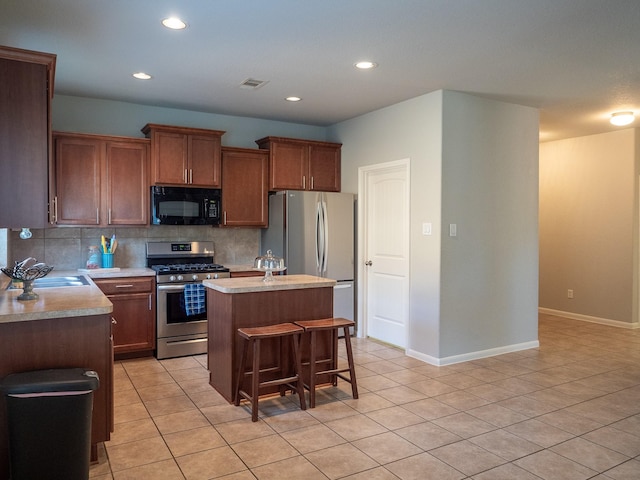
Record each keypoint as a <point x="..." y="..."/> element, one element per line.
<point x="268" y="264"/>
<point x="26" y="272"/>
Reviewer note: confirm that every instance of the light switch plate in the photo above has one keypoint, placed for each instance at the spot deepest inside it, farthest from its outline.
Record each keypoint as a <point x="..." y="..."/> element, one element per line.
<point x="426" y="229"/>
<point x="453" y="229"/>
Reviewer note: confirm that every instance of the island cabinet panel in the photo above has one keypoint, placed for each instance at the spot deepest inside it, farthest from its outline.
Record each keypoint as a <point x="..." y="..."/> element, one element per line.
<point x="185" y="156"/>
<point x="101" y="180"/>
<point x="245" y="192"/>
<point x="296" y="164"/>
<point x="228" y="312"/>
<point x="83" y="342"/>
<point x="26" y="87"/>
<point x="134" y="314"/>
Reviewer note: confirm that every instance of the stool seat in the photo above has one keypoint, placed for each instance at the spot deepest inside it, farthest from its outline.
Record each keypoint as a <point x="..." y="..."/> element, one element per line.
<point x="252" y="337"/>
<point x="334" y="324"/>
<point x="277" y="330"/>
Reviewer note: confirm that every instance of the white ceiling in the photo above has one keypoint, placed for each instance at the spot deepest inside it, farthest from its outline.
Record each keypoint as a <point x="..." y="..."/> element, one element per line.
<point x="575" y="60"/>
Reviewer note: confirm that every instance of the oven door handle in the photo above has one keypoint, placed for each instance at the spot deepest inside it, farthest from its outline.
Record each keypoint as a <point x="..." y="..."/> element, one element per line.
<point x="170" y="288"/>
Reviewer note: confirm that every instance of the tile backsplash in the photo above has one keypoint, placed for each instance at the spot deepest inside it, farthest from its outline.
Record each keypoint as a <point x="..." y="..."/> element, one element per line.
<point x="66" y="248"/>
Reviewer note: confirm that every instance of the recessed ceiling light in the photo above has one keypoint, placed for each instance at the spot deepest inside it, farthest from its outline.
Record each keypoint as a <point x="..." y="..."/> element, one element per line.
<point x="174" y="23"/>
<point x="621" y="119"/>
<point x="293" y="99"/>
<point x="142" y="76"/>
<point x="365" y="65"/>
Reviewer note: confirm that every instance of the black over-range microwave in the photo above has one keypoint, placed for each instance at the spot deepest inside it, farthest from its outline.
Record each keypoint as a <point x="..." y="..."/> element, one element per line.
<point x="185" y="206"/>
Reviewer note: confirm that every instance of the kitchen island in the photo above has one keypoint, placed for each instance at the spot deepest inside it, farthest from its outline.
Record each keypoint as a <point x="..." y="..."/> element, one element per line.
<point x="65" y="327"/>
<point x="234" y="303"/>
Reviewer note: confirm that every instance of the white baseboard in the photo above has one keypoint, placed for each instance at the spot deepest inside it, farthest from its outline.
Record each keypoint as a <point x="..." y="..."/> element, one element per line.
<point x="590" y="319"/>
<point x="465" y="357"/>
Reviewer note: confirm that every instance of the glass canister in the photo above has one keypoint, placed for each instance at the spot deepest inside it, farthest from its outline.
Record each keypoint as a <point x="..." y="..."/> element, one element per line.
<point x="93" y="259"/>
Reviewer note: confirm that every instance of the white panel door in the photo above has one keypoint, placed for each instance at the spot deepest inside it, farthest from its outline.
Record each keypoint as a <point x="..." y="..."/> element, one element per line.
<point x="386" y="252"/>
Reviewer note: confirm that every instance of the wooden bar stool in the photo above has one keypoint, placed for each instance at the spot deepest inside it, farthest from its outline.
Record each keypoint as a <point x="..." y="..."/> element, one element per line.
<point x="334" y="324"/>
<point x="252" y="337"/>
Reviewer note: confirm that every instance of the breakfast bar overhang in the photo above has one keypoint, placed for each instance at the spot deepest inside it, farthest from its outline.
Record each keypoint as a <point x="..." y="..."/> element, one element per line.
<point x="234" y="303"/>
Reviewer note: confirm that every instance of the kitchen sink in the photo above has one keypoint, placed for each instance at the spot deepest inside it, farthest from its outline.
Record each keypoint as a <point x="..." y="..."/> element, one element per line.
<point x="51" y="282"/>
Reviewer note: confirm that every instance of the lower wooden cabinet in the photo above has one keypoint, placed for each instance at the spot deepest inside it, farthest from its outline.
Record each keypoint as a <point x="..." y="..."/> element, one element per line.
<point x="134" y="313"/>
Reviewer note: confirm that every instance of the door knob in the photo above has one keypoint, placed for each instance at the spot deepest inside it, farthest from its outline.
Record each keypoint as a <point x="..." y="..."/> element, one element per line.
<point x="368" y="263"/>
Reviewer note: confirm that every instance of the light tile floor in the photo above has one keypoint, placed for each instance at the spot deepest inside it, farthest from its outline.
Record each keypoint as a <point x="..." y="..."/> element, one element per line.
<point x="569" y="410"/>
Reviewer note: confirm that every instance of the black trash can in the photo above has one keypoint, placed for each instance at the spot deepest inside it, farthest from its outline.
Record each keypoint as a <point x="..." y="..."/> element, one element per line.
<point x="49" y="418"/>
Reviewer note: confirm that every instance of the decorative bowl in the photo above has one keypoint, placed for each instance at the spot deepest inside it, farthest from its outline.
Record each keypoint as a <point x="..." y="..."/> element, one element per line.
<point x="26" y="272"/>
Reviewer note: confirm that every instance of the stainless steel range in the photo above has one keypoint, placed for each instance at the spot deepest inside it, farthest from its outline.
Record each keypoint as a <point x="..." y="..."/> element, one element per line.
<point x="181" y="309"/>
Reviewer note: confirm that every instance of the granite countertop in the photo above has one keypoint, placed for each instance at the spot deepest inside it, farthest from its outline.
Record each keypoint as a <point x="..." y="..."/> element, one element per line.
<point x="57" y="302"/>
<point x="256" y="284"/>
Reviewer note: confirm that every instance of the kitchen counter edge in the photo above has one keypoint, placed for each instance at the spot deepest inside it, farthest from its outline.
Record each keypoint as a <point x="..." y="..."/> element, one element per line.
<point x="256" y="284"/>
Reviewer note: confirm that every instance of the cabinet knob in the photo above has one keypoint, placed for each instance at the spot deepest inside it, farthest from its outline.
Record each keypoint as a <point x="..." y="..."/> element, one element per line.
<point x="368" y="263"/>
<point x="114" y="321"/>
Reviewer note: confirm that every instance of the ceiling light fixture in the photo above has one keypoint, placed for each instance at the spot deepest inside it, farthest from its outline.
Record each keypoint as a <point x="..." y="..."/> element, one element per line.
<point x="142" y="76"/>
<point x="365" y="65"/>
<point x="174" y="23"/>
<point x="621" y="119"/>
<point x="293" y="99"/>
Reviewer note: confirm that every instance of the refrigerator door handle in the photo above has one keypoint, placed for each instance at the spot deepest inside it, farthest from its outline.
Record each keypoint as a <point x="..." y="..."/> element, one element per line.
<point x="325" y="246"/>
<point x="321" y="236"/>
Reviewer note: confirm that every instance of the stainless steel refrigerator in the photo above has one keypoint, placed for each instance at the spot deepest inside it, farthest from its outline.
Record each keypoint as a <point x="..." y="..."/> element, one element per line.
<point x="314" y="233"/>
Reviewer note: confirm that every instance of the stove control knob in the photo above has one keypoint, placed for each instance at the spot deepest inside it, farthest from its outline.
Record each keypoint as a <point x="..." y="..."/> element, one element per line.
<point x="194" y="277"/>
<point x="180" y="278"/>
<point x="172" y="278"/>
<point x="215" y="276"/>
<point x="208" y="276"/>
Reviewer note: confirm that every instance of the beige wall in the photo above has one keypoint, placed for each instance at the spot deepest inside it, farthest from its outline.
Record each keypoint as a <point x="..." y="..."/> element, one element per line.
<point x="588" y="225"/>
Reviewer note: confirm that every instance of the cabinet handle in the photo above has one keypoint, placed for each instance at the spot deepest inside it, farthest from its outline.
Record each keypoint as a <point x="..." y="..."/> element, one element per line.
<point x="311" y="183"/>
<point x="224" y="218"/>
<point x="304" y="182"/>
<point x="109" y="217"/>
<point x="150" y="302"/>
<point x="114" y="321"/>
<point x="97" y="216"/>
<point x="129" y="285"/>
<point x="55" y="209"/>
<point x="185" y="176"/>
<point x="191" y="175"/>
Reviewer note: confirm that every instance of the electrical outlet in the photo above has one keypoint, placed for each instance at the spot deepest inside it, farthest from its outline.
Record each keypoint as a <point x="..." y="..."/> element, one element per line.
<point x="569" y="293"/>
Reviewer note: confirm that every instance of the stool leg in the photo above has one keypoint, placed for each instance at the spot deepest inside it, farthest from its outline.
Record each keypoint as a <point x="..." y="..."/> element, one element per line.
<point x="255" y="380"/>
<point x="298" y="366"/>
<point x="352" y="368"/>
<point x="312" y="370"/>
<point x="243" y="360"/>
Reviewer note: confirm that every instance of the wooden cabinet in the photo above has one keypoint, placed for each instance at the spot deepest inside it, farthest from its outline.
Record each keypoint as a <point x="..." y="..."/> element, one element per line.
<point x="134" y="313"/>
<point x="101" y="180"/>
<point x="245" y="192"/>
<point x="247" y="273"/>
<point x="26" y="88"/>
<point x="184" y="156"/>
<point x="302" y="164"/>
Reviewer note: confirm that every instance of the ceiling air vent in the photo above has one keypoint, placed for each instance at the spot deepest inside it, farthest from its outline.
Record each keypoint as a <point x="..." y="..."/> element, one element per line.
<point x="253" y="84"/>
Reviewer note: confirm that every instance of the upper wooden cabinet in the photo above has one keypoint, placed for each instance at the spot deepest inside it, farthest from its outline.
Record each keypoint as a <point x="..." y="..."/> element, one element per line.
<point x="245" y="194"/>
<point x="26" y="88"/>
<point x="184" y="156"/>
<point x="101" y="180"/>
<point x="302" y="164"/>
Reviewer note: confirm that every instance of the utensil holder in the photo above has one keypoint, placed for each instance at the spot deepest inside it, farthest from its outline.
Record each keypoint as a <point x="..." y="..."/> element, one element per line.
<point x="107" y="260"/>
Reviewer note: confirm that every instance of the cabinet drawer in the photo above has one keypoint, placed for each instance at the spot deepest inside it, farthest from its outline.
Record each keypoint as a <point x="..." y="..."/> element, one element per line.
<point x="114" y="286"/>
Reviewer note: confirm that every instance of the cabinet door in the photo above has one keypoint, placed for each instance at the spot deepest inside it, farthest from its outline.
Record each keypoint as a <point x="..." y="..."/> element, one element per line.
<point x="24" y="137"/>
<point x="204" y="161"/>
<point x="244" y="188"/>
<point x="288" y="166"/>
<point x="324" y="168"/>
<point x="78" y="181"/>
<point x="127" y="188"/>
<point x="133" y="327"/>
<point x="169" y="152"/>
